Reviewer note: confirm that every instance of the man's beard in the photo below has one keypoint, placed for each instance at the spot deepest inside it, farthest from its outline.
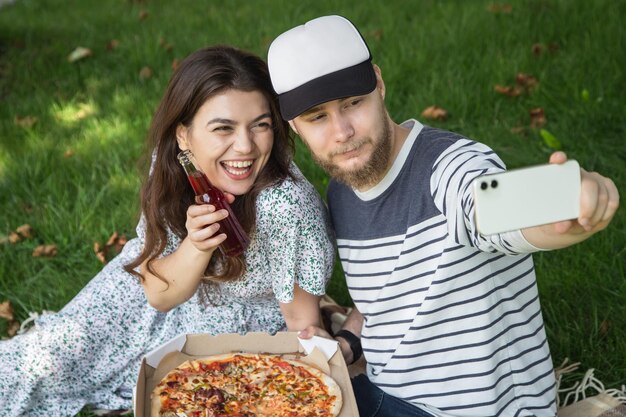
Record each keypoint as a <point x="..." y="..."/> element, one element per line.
<point x="373" y="170"/>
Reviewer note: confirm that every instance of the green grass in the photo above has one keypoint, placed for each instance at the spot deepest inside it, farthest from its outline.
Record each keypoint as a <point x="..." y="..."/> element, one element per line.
<point x="449" y="54"/>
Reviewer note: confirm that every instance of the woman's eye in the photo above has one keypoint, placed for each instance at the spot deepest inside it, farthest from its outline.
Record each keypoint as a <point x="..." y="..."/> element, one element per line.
<point x="223" y="129"/>
<point x="262" y="127"/>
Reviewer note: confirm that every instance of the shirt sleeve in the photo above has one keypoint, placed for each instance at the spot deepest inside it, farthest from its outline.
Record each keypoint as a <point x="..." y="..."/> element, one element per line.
<point x="451" y="180"/>
<point x="294" y="232"/>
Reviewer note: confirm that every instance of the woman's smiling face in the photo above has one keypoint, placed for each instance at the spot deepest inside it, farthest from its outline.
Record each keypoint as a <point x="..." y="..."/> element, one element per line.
<point x="231" y="137"/>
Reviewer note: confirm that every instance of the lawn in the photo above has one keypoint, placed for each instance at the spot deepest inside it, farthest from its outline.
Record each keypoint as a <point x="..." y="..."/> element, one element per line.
<point x="72" y="132"/>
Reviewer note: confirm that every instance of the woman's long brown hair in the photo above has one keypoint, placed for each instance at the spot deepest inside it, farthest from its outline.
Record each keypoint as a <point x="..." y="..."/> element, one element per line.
<point x="166" y="194"/>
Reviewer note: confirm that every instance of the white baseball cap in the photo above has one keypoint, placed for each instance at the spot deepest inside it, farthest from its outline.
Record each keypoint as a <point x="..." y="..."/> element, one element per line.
<point x="325" y="59"/>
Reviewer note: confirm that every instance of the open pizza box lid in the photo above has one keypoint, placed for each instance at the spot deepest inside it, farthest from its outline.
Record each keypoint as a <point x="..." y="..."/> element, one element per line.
<point x="321" y="353"/>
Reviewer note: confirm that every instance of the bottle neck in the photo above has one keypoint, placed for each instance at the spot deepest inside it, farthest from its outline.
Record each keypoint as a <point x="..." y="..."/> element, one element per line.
<point x="198" y="180"/>
<point x="186" y="159"/>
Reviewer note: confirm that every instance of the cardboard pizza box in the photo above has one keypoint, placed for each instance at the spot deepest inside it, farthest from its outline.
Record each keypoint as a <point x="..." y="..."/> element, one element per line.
<point x="156" y="364"/>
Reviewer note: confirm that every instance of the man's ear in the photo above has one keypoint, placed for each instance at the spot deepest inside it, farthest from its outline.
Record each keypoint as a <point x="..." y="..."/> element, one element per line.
<point x="292" y="123"/>
<point x="380" y="84"/>
<point x="181" y="137"/>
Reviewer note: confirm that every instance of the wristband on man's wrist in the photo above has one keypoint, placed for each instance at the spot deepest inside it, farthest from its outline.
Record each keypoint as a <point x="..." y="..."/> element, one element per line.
<point x="354" y="343"/>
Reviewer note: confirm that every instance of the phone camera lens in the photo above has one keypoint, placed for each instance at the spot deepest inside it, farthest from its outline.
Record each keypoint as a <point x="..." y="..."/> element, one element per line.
<point x="483" y="185"/>
<point x="494" y="184"/>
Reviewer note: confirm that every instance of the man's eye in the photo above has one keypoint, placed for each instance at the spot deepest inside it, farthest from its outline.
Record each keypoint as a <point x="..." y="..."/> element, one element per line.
<point x="355" y="102"/>
<point x="316" y="117"/>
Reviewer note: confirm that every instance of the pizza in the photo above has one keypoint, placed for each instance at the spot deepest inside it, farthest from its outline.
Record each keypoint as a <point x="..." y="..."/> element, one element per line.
<point x="244" y="385"/>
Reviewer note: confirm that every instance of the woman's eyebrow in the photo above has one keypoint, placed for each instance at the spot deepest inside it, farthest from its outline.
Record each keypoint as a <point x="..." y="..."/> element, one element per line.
<point x="221" y="120"/>
<point x="233" y="122"/>
<point x="263" y="116"/>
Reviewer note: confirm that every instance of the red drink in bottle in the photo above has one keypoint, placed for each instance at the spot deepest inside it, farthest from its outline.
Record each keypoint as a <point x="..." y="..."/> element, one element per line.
<point x="236" y="239"/>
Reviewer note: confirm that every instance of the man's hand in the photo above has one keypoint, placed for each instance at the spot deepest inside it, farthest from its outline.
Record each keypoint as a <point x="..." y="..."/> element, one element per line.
<point x="599" y="200"/>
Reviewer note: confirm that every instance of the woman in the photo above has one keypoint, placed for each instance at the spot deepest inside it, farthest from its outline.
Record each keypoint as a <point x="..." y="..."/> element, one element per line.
<point x="171" y="279"/>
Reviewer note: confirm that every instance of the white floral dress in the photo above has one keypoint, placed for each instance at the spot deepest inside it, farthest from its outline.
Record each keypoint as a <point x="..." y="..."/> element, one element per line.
<point x="90" y="351"/>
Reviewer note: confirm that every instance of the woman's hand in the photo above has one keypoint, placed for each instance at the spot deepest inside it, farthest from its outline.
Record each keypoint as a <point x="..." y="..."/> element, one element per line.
<point x="203" y="227"/>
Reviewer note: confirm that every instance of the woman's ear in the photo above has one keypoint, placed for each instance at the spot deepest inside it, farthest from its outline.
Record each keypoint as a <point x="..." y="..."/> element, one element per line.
<point x="181" y="137"/>
<point x="380" y="84"/>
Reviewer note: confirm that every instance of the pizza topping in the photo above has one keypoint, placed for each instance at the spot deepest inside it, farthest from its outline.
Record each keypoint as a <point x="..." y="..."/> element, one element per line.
<point x="246" y="385"/>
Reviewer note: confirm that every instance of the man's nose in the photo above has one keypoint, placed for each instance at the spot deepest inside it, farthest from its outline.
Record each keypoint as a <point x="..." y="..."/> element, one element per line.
<point x="342" y="128"/>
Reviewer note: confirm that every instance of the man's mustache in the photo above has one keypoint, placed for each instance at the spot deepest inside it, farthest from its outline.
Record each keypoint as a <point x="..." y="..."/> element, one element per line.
<point x="354" y="144"/>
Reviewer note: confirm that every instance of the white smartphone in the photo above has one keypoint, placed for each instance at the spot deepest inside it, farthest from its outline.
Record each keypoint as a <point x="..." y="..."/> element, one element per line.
<point x="527" y="197"/>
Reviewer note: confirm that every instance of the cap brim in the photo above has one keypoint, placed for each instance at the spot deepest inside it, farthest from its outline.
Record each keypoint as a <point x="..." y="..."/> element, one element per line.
<point x="357" y="80"/>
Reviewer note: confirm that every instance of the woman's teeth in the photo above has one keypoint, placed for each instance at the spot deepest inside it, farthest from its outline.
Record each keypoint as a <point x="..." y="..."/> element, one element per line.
<point x="237" y="167"/>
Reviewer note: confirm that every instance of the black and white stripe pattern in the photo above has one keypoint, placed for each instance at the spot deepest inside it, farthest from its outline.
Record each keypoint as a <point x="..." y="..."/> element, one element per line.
<point x="452" y="317"/>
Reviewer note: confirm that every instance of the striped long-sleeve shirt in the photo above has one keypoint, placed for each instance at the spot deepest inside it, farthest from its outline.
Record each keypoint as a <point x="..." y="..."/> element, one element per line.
<point x="452" y="317"/>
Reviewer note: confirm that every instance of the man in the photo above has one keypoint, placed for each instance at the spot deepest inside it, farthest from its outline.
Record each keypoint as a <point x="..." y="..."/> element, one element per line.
<point x="448" y="319"/>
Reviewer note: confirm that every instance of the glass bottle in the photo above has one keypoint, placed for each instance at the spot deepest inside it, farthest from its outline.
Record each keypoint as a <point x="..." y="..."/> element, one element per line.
<point x="236" y="239"/>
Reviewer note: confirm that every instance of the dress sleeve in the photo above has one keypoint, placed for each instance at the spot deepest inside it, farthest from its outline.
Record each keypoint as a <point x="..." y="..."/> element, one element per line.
<point x="451" y="180"/>
<point x="134" y="246"/>
<point x="294" y="232"/>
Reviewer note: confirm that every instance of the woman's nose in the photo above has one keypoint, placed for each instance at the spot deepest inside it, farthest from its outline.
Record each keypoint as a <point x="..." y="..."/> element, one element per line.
<point x="244" y="142"/>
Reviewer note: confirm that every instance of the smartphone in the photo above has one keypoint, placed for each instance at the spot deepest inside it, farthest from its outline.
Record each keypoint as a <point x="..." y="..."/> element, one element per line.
<point x="527" y="197"/>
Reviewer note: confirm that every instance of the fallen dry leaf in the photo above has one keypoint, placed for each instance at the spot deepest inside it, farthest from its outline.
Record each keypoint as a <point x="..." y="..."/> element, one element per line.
<point x="143" y="15"/>
<point x="553" y="47"/>
<point x="112" y="44"/>
<point x="26" y="121"/>
<point x="101" y="257"/>
<point x="28" y="209"/>
<point x="6" y="310"/>
<point x="115" y="241"/>
<point x="500" y="8"/>
<point x="175" y="64"/>
<point x="434" y="113"/>
<point x="376" y="34"/>
<point x="165" y="45"/>
<point x="519" y="130"/>
<point x="112" y="239"/>
<point x="526" y="81"/>
<point x="79" y="53"/>
<point x="68" y="153"/>
<point x="101" y="252"/>
<point x="45" y="251"/>
<point x="119" y="244"/>
<point x="25" y="230"/>
<point x="605" y="326"/>
<point x="14" y="237"/>
<point x="13" y="328"/>
<point x="537" y="117"/>
<point x="145" y="73"/>
<point x="540" y="48"/>
<point x="511" y="91"/>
